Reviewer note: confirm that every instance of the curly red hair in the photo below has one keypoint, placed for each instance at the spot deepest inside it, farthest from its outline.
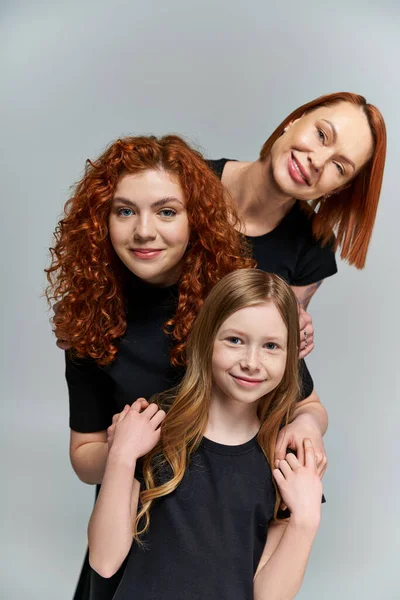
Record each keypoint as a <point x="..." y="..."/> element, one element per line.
<point x="87" y="278"/>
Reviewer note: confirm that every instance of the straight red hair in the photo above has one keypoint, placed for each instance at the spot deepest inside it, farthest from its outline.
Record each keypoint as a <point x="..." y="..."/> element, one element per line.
<point x="351" y="212"/>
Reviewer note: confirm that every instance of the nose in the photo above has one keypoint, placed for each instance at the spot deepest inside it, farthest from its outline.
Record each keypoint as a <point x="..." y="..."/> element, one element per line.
<point x="144" y="229"/>
<point x="251" y="360"/>
<point x="319" y="158"/>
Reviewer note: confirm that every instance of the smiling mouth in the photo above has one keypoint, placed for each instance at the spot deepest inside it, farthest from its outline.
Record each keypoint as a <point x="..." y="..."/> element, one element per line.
<point x="297" y="171"/>
<point x="146" y="253"/>
<point x="247" y="381"/>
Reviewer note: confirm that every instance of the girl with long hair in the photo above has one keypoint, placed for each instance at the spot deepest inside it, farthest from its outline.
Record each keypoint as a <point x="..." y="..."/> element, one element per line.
<point x="145" y="237"/>
<point x="196" y="494"/>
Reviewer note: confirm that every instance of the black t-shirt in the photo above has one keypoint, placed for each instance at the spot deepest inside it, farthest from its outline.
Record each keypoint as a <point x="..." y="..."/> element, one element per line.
<point x="205" y="539"/>
<point x="290" y="250"/>
<point x="142" y="366"/>
<point x="141" y="369"/>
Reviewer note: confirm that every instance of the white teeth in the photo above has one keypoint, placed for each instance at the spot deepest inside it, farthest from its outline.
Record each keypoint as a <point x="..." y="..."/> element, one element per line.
<point x="298" y="170"/>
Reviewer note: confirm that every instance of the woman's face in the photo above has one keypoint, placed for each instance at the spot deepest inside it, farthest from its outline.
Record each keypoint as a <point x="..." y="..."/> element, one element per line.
<point x="149" y="227"/>
<point x="322" y="151"/>
<point x="249" y="355"/>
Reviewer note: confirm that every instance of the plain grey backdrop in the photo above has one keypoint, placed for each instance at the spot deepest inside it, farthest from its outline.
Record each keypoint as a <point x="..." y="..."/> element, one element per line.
<point x="77" y="75"/>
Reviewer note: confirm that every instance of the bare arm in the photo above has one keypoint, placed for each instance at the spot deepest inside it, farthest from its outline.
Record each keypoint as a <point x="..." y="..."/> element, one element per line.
<point x="304" y="293"/>
<point x="88" y="454"/>
<point x="89" y="451"/>
<point x="110" y="528"/>
<point x="310" y="421"/>
<point x="282" y="566"/>
<point x="284" y="560"/>
<point x="313" y="408"/>
<point x="111" y="524"/>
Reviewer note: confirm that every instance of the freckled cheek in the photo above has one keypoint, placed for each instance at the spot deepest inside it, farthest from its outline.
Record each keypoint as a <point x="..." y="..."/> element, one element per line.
<point x="223" y="360"/>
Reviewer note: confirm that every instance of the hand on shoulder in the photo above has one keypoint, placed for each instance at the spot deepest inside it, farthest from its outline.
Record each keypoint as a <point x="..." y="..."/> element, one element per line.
<point x="135" y="431"/>
<point x="300" y="487"/>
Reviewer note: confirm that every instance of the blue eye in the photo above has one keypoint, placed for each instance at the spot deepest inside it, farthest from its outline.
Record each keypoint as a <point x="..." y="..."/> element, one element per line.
<point x="124" y="212"/>
<point x="167" y="212"/>
<point x="234" y="340"/>
<point x="271" y="346"/>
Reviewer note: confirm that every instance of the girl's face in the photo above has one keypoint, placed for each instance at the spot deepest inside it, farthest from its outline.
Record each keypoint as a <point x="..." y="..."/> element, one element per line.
<point x="149" y="227"/>
<point x="249" y="356"/>
<point x="322" y="151"/>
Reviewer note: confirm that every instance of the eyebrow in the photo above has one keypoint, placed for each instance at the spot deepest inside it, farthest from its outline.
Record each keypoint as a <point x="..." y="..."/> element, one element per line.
<point x="334" y="132"/>
<point x="236" y="332"/>
<point x="156" y="204"/>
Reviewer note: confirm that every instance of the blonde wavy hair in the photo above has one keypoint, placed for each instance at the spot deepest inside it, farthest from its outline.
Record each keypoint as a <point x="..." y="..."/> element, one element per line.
<point x="187" y="415"/>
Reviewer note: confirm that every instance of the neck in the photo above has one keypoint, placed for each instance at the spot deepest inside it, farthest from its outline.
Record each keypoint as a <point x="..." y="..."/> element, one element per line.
<point x="261" y="204"/>
<point x="231" y="422"/>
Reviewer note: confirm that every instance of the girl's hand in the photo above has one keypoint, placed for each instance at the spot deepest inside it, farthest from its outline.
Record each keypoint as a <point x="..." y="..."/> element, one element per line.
<point x="300" y="486"/>
<point x="293" y="435"/>
<point x="306" y="333"/>
<point x="115" y="419"/>
<point x="137" y="431"/>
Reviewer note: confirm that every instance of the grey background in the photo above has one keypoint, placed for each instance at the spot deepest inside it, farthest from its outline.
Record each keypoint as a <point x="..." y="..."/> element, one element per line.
<point x="79" y="74"/>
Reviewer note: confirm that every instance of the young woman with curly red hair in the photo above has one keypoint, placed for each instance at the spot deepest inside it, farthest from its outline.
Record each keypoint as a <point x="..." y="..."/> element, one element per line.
<point x="145" y="236"/>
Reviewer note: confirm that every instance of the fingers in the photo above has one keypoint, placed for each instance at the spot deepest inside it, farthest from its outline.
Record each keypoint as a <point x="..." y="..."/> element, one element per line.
<point x="281" y="446"/>
<point x="306" y="350"/>
<point x="300" y="453"/>
<point x="306" y="333"/>
<point x="279" y="478"/>
<point x="322" y="464"/>
<point x="123" y="413"/>
<point x="151" y="410"/>
<point x="304" y="318"/>
<point x="137" y="405"/>
<point x="285" y="468"/>
<point x="310" y="461"/>
<point x="291" y="459"/>
<point x="158" y="418"/>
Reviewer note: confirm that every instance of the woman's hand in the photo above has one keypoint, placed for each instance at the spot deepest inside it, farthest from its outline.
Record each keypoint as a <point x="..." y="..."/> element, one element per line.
<point x="136" y="431"/>
<point x="115" y="419"/>
<point x="292" y="437"/>
<point x="306" y="333"/>
<point x="300" y="486"/>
